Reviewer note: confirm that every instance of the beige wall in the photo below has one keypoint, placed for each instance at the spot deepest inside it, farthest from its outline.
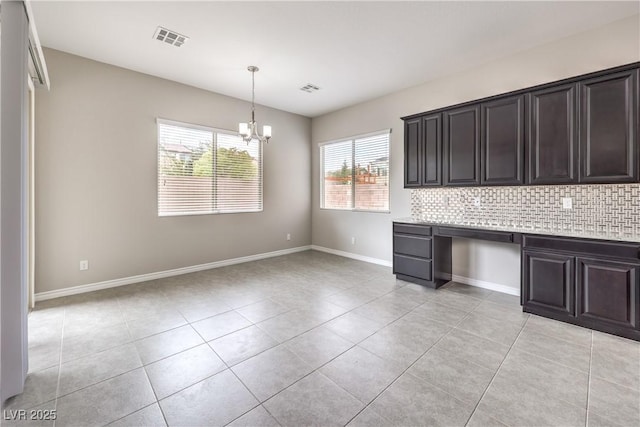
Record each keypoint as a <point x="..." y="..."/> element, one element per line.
<point x="615" y="44"/>
<point x="96" y="177"/>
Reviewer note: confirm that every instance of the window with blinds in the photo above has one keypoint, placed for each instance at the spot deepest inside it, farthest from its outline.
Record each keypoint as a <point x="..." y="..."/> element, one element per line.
<point x="206" y="171"/>
<point x="355" y="173"/>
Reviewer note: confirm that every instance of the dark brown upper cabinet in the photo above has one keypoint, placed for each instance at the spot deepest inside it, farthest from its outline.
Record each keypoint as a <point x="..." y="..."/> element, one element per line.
<point x="502" y="141"/>
<point x="553" y="136"/>
<point x="461" y="160"/>
<point x="412" y="152"/>
<point x="432" y="150"/>
<point x="609" y="128"/>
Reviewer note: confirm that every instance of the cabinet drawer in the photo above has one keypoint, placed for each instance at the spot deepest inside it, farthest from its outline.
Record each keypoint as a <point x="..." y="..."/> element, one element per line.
<point x="422" y="230"/>
<point x="410" y="266"/>
<point x="412" y="245"/>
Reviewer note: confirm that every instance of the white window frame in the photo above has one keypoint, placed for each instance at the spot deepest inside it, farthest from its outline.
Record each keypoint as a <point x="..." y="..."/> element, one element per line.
<point x="161" y="121"/>
<point x="353" y="154"/>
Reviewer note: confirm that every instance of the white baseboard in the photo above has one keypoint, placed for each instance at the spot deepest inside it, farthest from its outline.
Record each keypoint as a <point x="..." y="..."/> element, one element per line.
<point x="352" y="255"/>
<point x="42" y="296"/>
<point x="486" y="285"/>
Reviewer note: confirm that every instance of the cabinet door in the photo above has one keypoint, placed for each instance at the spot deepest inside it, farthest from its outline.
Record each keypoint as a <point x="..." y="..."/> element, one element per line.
<point x="412" y="152"/>
<point x="608" y="292"/>
<point x="432" y="150"/>
<point x="502" y="141"/>
<point x="462" y="146"/>
<point x="608" y="130"/>
<point x="548" y="282"/>
<point x="553" y="136"/>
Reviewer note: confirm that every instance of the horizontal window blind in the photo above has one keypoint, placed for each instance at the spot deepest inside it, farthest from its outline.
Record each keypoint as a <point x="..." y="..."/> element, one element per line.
<point x="206" y="171"/>
<point x="356" y="173"/>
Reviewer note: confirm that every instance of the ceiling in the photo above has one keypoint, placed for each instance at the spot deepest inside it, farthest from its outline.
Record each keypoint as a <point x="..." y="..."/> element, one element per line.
<point x="353" y="51"/>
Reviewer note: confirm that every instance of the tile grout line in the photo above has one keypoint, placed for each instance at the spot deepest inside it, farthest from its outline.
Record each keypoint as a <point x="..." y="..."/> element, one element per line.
<point x="496" y="374"/>
<point x="586" y="418"/>
<point x="55" y="407"/>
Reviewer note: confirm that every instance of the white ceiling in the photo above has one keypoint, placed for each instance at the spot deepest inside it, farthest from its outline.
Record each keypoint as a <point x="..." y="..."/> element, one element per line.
<point x="354" y="51"/>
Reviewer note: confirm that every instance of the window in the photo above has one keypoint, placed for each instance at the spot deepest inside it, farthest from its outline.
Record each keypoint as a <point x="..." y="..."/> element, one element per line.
<point x="355" y="173"/>
<point x="204" y="171"/>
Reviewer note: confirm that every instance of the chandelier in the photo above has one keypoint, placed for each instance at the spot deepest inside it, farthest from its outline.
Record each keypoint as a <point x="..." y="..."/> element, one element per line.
<point x="249" y="131"/>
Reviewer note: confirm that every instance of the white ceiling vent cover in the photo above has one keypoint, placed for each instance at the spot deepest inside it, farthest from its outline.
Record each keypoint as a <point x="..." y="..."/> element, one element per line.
<point x="310" y="88"/>
<point x="170" y="37"/>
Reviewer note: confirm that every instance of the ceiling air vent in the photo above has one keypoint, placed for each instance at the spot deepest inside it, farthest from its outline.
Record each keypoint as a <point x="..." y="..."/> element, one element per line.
<point x="310" y="88"/>
<point x="170" y="37"/>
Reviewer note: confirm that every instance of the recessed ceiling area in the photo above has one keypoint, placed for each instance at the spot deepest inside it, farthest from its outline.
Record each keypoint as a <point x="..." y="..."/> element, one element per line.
<point x="354" y="51"/>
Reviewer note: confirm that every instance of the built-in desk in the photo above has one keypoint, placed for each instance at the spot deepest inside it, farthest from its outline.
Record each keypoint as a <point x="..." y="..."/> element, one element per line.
<point x="593" y="283"/>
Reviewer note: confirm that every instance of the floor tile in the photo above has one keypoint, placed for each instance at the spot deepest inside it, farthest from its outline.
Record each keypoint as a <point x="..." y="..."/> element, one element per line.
<point x="99" y="340"/>
<point x="97" y="367"/>
<point x="257" y="417"/>
<point x="215" y="401"/>
<point x="616" y="403"/>
<point x="482" y="419"/>
<point x="512" y="313"/>
<point x="405" y="342"/>
<point x="616" y="360"/>
<point x="441" y="313"/>
<point x="179" y="371"/>
<point x="220" y="325"/>
<point x="313" y="401"/>
<point x="513" y="402"/>
<point x="318" y="346"/>
<point x="478" y="350"/>
<point x="288" y="325"/>
<point x="262" y="310"/>
<point x="352" y="298"/>
<point x="159" y="346"/>
<point x="40" y="387"/>
<point x="455" y="375"/>
<point x="559" y="330"/>
<point x="381" y="311"/>
<point x="242" y="344"/>
<point x="271" y="371"/>
<point x="202" y="309"/>
<point x="456" y="300"/>
<point x="142" y="328"/>
<point x="504" y="332"/>
<point x="151" y="416"/>
<point x="107" y="401"/>
<point x="595" y="420"/>
<point x="556" y="380"/>
<point x="412" y="402"/>
<point x="361" y="373"/>
<point x="369" y="418"/>
<point x="353" y="327"/>
<point x="558" y="350"/>
<point x="44" y="356"/>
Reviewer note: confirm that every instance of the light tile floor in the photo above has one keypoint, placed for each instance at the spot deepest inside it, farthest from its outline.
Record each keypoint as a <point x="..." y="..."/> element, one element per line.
<point x="316" y="339"/>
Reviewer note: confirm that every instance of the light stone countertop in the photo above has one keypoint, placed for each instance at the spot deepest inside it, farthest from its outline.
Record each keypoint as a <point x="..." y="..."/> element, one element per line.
<point x="525" y="230"/>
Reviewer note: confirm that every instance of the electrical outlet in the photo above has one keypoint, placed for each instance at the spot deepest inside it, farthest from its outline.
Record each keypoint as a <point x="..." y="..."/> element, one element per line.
<point x="476" y="201"/>
<point x="567" y="203"/>
<point x="84" y="265"/>
<point x="445" y="201"/>
<point x="353" y="240"/>
<point x="288" y="236"/>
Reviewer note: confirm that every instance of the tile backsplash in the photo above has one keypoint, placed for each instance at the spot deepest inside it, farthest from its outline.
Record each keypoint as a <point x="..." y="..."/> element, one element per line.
<point x="607" y="211"/>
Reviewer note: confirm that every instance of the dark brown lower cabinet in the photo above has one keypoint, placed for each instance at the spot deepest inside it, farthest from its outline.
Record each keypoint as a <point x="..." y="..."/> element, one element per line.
<point x="607" y="292"/>
<point x="591" y="283"/>
<point x="549" y="281"/>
